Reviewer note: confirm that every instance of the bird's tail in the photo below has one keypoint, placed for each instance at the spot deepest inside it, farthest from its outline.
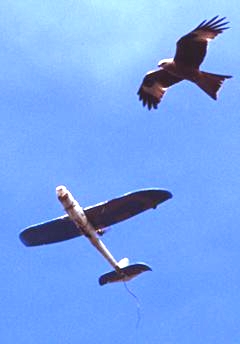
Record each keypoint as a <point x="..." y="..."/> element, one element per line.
<point x="211" y="83"/>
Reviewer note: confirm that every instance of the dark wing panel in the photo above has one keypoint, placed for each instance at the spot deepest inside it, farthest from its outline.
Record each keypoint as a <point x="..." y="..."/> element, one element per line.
<point x="101" y="215"/>
<point x="108" y="213"/>
<point x="190" y="52"/>
<point x="192" y="48"/>
<point x="56" y="230"/>
<point x="153" y="87"/>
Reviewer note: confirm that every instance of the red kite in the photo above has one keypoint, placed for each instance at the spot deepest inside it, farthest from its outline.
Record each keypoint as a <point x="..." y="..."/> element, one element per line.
<point x="190" y="53"/>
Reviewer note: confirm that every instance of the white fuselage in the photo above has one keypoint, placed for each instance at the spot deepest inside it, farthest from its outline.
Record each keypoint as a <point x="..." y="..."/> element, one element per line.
<point x="77" y="215"/>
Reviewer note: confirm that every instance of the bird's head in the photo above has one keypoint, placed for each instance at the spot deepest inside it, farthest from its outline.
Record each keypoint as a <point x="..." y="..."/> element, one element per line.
<point x="165" y="62"/>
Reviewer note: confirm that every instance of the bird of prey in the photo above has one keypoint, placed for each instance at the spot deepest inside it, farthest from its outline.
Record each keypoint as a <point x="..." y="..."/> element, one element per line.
<point x="190" y="53"/>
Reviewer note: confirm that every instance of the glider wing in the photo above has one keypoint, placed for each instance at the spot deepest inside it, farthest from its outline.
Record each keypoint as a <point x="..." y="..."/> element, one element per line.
<point x="119" y="209"/>
<point x="100" y="215"/>
<point x="56" y="230"/>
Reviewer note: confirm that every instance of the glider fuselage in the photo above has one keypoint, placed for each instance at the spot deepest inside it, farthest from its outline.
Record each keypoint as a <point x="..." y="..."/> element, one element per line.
<point x="77" y="215"/>
<point x="91" y="222"/>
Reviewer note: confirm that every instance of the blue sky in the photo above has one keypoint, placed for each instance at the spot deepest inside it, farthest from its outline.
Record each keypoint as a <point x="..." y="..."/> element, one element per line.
<point x="70" y="71"/>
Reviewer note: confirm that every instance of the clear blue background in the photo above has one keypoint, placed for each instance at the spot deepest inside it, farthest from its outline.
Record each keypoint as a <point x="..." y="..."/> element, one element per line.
<point x="70" y="71"/>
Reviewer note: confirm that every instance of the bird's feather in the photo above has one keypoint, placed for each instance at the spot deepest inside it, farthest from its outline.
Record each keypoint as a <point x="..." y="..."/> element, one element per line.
<point x="154" y="85"/>
<point x="192" y="48"/>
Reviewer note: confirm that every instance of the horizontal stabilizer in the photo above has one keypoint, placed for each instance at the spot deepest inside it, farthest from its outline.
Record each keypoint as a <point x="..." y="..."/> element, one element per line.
<point x="125" y="273"/>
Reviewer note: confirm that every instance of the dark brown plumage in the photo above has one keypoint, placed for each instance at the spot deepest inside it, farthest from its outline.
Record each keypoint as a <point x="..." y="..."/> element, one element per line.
<point x="154" y="85"/>
<point x="190" y="53"/>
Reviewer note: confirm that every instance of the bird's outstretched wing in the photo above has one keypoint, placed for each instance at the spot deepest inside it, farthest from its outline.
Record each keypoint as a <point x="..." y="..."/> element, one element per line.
<point x="154" y="85"/>
<point x="192" y="48"/>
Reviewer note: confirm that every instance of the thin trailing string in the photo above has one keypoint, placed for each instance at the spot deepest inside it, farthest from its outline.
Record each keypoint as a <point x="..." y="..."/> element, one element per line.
<point x="137" y="303"/>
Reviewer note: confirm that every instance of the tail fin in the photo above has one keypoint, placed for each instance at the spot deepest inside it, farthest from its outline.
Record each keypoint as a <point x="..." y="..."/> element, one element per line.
<point x="211" y="83"/>
<point x="124" y="274"/>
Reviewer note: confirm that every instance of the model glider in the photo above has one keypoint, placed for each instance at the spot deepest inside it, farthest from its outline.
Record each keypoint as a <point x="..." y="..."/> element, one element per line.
<point x="190" y="53"/>
<point x="92" y="221"/>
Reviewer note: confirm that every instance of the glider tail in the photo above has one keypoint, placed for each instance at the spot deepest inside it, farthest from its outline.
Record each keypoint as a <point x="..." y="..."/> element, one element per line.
<point x="211" y="83"/>
<point x="125" y="273"/>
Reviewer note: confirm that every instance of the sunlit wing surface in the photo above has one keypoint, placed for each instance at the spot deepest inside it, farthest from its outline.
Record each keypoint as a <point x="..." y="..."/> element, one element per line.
<point x="100" y="215"/>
